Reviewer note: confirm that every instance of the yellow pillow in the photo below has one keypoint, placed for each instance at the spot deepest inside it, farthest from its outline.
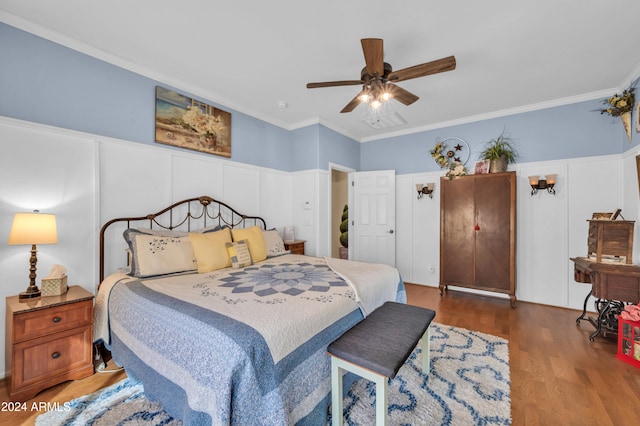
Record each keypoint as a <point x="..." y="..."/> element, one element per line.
<point x="210" y="250"/>
<point x="254" y="237"/>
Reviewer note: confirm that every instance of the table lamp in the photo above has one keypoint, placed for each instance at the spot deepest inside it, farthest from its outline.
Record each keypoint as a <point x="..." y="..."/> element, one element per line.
<point x="33" y="228"/>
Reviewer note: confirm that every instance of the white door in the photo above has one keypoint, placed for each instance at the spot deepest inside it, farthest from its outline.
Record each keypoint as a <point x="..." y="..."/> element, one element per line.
<point x="374" y="222"/>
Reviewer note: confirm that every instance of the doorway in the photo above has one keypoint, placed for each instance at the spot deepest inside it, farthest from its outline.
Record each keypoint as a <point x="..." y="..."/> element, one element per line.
<point x="339" y="199"/>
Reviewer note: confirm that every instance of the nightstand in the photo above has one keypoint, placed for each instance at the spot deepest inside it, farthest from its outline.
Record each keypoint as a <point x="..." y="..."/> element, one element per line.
<point x="296" y="246"/>
<point x="48" y="341"/>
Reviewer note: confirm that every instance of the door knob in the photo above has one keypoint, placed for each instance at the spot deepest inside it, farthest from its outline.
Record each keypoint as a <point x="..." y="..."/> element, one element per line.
<point x="390" y="231"/>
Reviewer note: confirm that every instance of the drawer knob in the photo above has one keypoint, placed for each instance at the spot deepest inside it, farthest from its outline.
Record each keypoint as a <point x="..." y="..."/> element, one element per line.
<point x="55" y="355"/>
<point x="57" y="319"/>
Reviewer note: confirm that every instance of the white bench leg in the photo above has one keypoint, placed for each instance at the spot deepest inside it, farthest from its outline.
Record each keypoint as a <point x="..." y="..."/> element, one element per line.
<point x="337" y="366"/>
<point x="426" y="351"/>
<point x="381" y="401"/>
<point x="336" y="393"/>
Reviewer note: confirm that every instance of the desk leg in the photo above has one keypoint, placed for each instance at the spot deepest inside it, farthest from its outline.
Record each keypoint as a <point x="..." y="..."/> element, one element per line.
<point x="584" y="307"/>
<point x="602" y="311"/>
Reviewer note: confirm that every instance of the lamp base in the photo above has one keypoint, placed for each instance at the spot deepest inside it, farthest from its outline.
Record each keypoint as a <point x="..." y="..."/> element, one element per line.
<point x="30" y="293"/>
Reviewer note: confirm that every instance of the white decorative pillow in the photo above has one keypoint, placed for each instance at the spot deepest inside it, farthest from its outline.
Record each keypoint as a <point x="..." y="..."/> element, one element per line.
<point x="157" y="255"/>
<point x="239" y="254"/>
<point x="273" y="243"/>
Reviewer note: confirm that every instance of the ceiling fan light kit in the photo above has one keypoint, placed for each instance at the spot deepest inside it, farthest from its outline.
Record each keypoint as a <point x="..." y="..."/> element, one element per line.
<point x="378" y="78"/>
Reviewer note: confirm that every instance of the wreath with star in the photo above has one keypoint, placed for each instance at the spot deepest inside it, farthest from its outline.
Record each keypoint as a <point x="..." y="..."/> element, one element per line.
<point x="452" y="159"/>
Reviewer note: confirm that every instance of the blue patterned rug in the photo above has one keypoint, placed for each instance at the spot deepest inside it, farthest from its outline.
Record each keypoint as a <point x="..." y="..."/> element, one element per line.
<point x="468" y="385"/>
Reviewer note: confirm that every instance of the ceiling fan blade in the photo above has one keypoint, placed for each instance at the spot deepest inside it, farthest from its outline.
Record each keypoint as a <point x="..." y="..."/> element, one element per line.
<point x="434" y="67"/>
<point x="353" y="104"/>
<point x="373" y="50"/>
<point x="334" y="84"/>
<point x="402" y="95"/>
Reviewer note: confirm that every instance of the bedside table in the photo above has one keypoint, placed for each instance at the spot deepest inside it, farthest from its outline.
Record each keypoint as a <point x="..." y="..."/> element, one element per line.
<point x="48" y="341"/>
<point x="296" y="246"/>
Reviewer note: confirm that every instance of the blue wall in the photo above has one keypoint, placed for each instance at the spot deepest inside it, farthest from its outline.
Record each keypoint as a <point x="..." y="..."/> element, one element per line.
<point x="43" y="82"/>
<point x="554" y="133"/>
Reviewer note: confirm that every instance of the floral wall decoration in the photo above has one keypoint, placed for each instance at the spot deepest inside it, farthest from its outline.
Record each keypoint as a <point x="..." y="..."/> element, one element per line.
<point x="452" y="159"/>
<point x="621" y="105"/>
<point x="187" y="123"/>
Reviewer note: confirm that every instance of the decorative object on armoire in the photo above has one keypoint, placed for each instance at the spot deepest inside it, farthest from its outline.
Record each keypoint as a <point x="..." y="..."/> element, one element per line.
<point x="187" y="123"/>
<point x="547" y="183"/>
<point x="425" y="189"/>
<point x="452" y="159"/>
<point x="478" y="233"/>
<point x="344" y="233"/>
<point x="621" y="106"/>
<point x="481" y="167"/>
<point x="33" y="228"/>
<point x="501" y="152"/>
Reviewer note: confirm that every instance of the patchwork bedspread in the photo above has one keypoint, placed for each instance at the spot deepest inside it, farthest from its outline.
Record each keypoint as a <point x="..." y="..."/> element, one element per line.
<point x="241" y="346"/>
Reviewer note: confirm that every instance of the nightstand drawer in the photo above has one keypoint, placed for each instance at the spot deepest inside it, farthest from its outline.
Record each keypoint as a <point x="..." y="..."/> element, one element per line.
<point x="51" y="356"/>
<point x="43" y="322"/>
<point x="296" y="247"/>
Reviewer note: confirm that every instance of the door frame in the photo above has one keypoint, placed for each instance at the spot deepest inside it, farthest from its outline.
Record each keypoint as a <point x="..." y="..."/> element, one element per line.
<point x="349" y="171"/>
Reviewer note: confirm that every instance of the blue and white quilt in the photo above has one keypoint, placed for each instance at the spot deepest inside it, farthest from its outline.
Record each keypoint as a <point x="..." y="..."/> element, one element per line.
<point x="241" y="346"/>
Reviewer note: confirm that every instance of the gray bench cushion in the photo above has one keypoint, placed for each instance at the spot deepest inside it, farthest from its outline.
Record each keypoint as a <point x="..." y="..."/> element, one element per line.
<point x="383" y="341"/>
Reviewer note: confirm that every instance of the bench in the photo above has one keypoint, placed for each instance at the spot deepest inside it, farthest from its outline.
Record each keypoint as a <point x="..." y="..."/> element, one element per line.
<point x="376" y="348"/>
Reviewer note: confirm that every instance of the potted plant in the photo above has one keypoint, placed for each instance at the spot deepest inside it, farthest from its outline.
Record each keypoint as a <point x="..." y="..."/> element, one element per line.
<point x="500" y="151"/>
<point x="344" y="233"/>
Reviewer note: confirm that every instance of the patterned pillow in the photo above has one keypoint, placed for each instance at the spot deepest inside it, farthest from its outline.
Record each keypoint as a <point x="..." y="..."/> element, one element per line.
<point x="158" y="255"/>
<point x="210" y="250"/>
<point x="273" y="243"/>
<point x="239" y="254"/>
<point x="255" y="240"/>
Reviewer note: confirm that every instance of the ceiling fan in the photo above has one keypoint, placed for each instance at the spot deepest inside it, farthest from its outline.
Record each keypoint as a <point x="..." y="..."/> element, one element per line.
<point x="378" y="78"/>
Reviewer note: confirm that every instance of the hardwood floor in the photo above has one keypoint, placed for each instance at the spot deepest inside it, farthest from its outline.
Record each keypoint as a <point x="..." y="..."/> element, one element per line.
<point x="61" y="393"/>
<point x="558" y="377"/>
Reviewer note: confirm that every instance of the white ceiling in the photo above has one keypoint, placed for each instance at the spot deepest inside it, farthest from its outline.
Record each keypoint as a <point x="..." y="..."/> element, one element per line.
<point x="512" y="56"/>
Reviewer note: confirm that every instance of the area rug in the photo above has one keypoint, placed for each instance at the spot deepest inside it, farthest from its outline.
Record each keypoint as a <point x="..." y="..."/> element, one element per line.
<point x="468" y="385"/>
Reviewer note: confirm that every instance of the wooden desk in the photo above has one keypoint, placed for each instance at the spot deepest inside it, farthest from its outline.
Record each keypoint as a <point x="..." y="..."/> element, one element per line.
<point x="614" y="285"/>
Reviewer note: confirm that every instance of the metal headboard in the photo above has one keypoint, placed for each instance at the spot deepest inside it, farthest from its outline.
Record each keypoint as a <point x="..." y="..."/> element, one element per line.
<point x="186" y="215"/>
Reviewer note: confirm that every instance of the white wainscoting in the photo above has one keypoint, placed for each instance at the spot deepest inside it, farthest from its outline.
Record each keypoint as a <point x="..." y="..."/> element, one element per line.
<point x="87" y="180"/>
<point x="550" y="229"/>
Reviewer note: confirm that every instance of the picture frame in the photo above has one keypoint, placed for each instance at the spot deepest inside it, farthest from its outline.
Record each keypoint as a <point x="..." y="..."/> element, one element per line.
<point x="602" y="215"/>
<point x="637" y="111"/>
<point x="185" y="122"/>
<point x="481" y="167"/>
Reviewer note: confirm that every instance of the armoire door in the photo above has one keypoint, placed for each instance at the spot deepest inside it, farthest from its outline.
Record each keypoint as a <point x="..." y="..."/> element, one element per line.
<point x="457" y="215"/>
<point x="493" y="236"/>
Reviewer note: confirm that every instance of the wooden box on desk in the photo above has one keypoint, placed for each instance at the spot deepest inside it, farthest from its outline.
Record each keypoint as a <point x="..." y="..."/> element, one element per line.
<point x="610" y="240"/>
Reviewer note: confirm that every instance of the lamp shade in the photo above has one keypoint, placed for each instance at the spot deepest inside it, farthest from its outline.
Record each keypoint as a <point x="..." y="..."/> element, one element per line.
<point x="33" y="228"/>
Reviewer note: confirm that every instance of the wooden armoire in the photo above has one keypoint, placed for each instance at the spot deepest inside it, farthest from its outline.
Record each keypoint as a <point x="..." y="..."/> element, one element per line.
<point x="478" y="233"/>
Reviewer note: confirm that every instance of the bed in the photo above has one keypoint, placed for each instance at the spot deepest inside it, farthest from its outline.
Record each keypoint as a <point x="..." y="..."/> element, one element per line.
<point x="235" y="340"/>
